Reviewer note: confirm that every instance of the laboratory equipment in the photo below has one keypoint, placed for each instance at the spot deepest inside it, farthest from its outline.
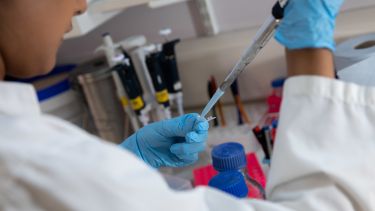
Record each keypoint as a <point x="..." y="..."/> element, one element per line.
<point x="133" y="90"/>
<point x="154" y="63"/>
<point x="264" y="34"/>
<point x="219" y="105"/>
<point x="121" y="94"/>
<point x="231" y="182"/>
<point x="267" y="130"/>
<point x="355" y="59"/>
<point x="137" y="49"/>
<point x="117" y="59"/>
<point x="260" y="136"/>
<point x="97" y="84"/>
<point x="165" y="33"/>
<point x="229" y="157"/>
<point x="210" y="94"/>
<point x="242" y="114"/>
<point x="274" y="100"/>
<point x="172" y="76"/>
<point x="203" y="174"/>
<point x="112" y="51"/>
<point x="158" y="74"/>
<point x="210" y="118"/>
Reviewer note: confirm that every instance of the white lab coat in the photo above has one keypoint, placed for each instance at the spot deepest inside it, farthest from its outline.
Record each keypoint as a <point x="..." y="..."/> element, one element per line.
<point x="323" y="159"/>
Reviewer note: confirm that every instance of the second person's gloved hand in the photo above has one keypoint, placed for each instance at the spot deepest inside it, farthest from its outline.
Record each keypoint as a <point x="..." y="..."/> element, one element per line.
<point x="309" y="24"/>
<point x="174" y="142"/>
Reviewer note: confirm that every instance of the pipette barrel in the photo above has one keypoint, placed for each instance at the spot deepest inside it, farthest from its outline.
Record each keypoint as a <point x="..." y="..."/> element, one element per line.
<point x="264" y="35"/>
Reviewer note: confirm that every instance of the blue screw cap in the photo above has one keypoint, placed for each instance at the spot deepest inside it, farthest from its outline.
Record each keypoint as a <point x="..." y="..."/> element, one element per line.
<point x="277" y="83"/>
<point x="230" y="182"/>
<point x="228" y="157"/>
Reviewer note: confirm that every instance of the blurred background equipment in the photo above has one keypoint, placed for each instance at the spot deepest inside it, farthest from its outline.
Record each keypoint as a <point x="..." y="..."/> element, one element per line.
<point x="171" y="73"/>
<point x="355" y="59"/>
<point x="154" y="63"/>
<point x="98" y="87"/>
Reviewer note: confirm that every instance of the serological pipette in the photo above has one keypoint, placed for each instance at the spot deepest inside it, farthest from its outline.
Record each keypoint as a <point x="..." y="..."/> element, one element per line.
<point x="264" y="34"/>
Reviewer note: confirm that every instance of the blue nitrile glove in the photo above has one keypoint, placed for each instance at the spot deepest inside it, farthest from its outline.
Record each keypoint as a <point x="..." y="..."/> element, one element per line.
<point x="173" y="143"/>
<point x="309" y="24"/>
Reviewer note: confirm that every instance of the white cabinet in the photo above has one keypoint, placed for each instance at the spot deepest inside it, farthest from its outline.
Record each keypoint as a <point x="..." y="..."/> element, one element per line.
<point x="100" y="11"/>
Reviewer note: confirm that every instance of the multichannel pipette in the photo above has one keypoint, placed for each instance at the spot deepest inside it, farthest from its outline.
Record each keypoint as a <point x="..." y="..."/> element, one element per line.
<point x="264" y="34"/>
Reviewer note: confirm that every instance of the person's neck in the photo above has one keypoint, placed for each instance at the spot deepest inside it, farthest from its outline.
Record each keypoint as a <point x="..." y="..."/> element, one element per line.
<point x="2" y="68"/>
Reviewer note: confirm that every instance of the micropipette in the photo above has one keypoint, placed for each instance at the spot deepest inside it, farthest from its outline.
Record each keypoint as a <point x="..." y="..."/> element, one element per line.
<point x="264" y="34"/>
<point x="172" y="76"/>
<point x="154" y="63"/>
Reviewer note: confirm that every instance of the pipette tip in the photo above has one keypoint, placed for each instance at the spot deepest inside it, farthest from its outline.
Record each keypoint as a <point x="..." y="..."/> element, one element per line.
<point x="211" y="118"/>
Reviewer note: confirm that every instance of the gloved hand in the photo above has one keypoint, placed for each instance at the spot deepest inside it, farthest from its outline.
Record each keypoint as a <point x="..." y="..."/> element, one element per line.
<point x="174" y="142"/>
<point x="309" y="24"/>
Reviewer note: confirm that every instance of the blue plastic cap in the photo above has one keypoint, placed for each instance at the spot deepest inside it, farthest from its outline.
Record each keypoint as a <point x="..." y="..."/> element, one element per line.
<point x="277" y="83"/>
<point x="230" y="182"/>
<point x="275" y="123"/>
<point x="228" y="157"/>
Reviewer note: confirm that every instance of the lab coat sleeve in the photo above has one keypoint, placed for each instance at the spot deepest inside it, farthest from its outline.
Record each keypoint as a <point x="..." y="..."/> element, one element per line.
<point x="323" y="155"/>
<point x="325" y="151"/>
<point x="323" y="160"/>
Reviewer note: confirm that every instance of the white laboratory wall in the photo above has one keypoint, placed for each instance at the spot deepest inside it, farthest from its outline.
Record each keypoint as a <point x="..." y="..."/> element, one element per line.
<point x="240" y="14"/>
<point x="199" y="57"/>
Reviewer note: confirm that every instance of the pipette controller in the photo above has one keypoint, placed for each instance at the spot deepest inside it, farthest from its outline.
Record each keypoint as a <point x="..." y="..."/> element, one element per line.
<point x="264" y="34"/>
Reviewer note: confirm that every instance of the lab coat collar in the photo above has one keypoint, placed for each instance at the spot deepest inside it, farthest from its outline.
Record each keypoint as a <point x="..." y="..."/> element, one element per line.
<point x="18" y="99"/>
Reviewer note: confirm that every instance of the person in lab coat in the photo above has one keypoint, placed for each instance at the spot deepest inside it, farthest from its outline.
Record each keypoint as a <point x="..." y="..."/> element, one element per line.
<point x="323" y="157"/>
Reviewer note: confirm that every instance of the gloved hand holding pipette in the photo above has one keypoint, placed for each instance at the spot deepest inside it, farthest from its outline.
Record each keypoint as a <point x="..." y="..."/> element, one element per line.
<point x="173" y="143"/>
